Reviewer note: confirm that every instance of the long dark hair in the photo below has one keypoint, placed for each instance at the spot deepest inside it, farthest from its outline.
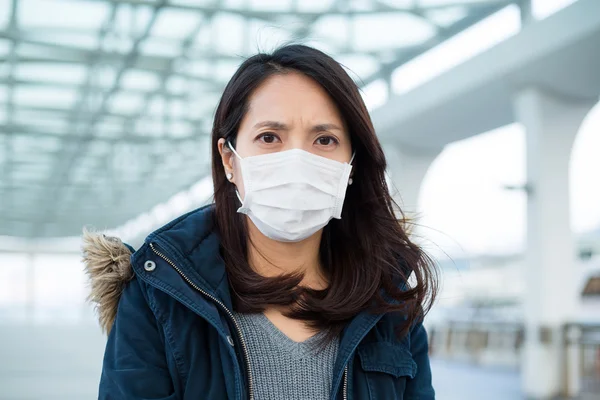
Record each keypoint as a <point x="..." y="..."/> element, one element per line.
<point x="366" y="255"/>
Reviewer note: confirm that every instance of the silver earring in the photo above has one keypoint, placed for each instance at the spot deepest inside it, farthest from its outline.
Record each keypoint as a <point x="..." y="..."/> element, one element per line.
<point x="229" y="176"/>
<point x="350" y="181"/>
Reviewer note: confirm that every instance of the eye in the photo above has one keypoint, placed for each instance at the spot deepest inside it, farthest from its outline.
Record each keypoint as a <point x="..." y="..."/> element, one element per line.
<point x="268" y="138"/>
<point x="327" y="141"/>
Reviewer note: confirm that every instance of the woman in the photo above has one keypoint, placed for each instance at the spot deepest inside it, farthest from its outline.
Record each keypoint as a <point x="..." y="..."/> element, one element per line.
<point x="293" y="284"/>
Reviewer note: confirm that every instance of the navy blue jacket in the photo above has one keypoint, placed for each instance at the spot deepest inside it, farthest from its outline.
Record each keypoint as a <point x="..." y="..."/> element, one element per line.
<point x="174" y="336"/>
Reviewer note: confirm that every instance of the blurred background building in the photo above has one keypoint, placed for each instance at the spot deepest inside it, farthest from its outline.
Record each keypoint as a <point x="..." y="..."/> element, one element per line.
<point x="487" y="110"/>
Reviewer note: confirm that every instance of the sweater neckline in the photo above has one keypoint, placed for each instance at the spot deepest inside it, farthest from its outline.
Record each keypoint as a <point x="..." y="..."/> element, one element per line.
<point x="272" y="329"/>
<point x="294" y="349"/>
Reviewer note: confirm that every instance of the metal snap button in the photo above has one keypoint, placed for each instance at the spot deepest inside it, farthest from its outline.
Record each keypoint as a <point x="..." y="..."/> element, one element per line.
<point x="230" y="340"/>
<point x="149" y="265"/>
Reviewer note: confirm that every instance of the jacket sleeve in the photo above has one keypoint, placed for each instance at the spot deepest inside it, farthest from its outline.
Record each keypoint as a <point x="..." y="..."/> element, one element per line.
<point x="135" y="365"/>
<point x="420" y="386"/>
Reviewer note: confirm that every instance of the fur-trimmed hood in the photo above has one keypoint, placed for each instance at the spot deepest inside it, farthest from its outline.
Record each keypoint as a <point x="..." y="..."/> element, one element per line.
<point x="190" y="241"/>
<point x="108" y="266"/>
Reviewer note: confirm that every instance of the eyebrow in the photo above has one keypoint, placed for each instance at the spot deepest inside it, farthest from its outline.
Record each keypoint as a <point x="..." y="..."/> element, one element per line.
<point x="325" y="127"/>
<point x="280" y="126"/>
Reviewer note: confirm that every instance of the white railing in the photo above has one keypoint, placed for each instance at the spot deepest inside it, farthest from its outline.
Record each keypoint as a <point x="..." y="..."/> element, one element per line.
<point x="486" y="343"/>
<point x="501" y="343"/>
<point x="582" y="358"/>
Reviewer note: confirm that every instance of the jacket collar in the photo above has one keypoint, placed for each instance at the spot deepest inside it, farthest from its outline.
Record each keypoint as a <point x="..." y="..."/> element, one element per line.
<point x="192" y="243"/>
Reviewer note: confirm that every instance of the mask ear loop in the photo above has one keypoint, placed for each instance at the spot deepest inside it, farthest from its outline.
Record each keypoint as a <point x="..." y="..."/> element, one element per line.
<point x="237" y="192"/>
<point x="350" y="180"/>
<point x="235" y="152"/>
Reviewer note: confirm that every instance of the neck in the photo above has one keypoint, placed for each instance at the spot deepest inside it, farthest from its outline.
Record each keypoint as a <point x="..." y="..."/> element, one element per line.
<point x="272" y="258"/>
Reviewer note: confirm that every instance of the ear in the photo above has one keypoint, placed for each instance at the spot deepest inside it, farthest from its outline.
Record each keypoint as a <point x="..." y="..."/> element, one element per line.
<point x="227" y="158"/>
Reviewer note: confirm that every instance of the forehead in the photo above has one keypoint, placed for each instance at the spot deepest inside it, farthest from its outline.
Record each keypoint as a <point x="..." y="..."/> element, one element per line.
<point x="289" y="96"/>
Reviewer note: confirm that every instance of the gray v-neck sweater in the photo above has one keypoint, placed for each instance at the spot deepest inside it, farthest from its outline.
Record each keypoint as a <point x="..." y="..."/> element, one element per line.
<point x="282" y="368"/>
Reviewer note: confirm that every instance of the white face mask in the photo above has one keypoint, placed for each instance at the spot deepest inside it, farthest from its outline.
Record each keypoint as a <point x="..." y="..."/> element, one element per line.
<point x="292" y="194"/>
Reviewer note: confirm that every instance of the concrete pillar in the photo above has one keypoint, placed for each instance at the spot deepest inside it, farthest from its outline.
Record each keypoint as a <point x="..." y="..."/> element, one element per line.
<point x="573" y="361"/>
<point x="551" y="124"/>
<point x="407" y="167"/>
<point x="441" y="340"/>
<point x="526" y="12"/>
<point x="30" y="305"/>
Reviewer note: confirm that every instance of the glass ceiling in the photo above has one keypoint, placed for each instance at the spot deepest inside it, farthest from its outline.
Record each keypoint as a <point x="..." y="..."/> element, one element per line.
<point x="106" y="106"/>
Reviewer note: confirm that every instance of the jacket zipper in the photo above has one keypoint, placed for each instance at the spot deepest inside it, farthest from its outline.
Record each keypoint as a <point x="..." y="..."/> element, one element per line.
<point x="345" y="383"/>
<point x="237" y="327"/>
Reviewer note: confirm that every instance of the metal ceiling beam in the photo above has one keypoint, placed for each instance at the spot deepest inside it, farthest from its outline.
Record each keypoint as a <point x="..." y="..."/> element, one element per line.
<point x="441" y="6"/>
<point x="83" y="187"/>
<point x="339" y="9"/>
<point x="64" y="167"/>
<point x="161" y="91"/>
<point x="61" y="53"/>
<point x="155" y="63"/>
<point x="94" y="185"/>
<point x="153" y="68"/>
<point x="31" y="37"/>
<point x="81" y="55"/>
<point x="61" y="113"/>
<point x="7" y="200"/>
<point x="26" y="219"/>
<point x="53" y="190"/>
<point x="14" y="130"/>
<point x="77" y="86"/>
<point x="442" y="35"/>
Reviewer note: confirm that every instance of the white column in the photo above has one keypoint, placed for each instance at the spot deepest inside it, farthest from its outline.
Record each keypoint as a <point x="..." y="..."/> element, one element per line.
<point x="407" y="167"/>
<point x="574" y="350"/>
<point x="551" y="124"/>
<point x="30" y="288"/>
<point x="441" y="340"/>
